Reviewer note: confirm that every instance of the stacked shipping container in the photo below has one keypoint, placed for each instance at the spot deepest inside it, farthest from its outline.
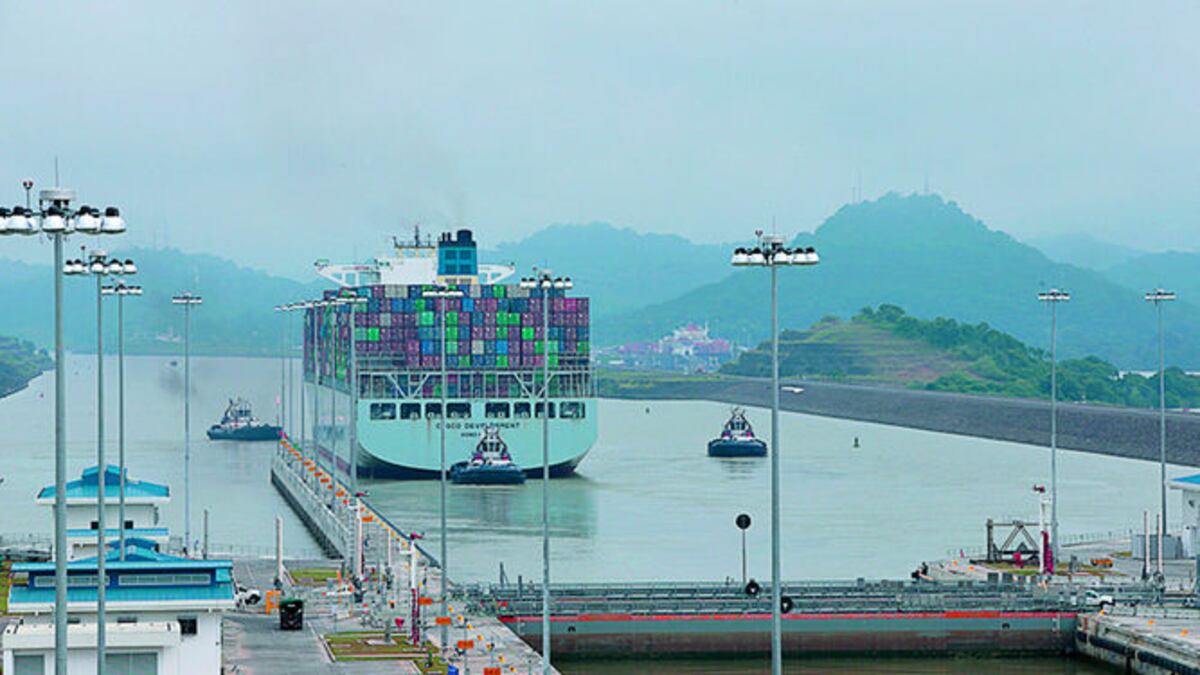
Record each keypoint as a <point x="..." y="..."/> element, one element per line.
<point x="491" y="328"/>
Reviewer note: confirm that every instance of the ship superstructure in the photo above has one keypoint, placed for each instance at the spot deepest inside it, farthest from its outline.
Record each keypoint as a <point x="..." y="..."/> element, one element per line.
<point x="494" y="362"/>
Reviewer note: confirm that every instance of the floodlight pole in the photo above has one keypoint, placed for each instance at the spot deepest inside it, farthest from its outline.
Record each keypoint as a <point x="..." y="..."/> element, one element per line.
<point x="1158" y="296"/>
<point x="770" y="252"/>
<point x="1054" y="296"/>
<point x="56" y="218"/>
<point x="187" y="299"/>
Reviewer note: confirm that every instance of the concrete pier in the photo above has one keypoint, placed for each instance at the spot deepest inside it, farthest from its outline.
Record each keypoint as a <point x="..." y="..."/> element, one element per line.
<point x="377" y="557"/>
<point x="1151" y="641"/>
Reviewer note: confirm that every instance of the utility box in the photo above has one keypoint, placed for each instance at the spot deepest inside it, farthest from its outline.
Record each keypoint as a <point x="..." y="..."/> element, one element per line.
<point x="1172" y="547"/>
<point x="291" y="614"/>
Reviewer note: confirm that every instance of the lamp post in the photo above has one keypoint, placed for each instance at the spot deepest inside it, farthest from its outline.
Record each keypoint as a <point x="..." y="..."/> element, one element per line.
<point x="187" y="300"/>
<point x="282" y="367"/>
<point x="1053" y="297"/>
<point x="543" y="281"/>
<point x="121" y="290"/>
<point x="314" y="306"/>
<point x="350" y="297"/>
<point x="56" y="219"/>
<point x="770" y="252"/>
<point x="1158" y="296"/>
<point x="99" y="265"/>
<point x="439" y="295"/>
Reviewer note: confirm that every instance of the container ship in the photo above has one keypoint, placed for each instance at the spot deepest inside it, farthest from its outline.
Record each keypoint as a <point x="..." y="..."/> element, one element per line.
<point x="495" y="354"/>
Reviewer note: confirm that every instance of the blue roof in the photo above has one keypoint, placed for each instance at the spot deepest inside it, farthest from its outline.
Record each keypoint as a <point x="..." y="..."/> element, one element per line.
<point x="113" y="532"/>
<point x="87" y="486"/>
<point x="138" y="558"/>
<point x="31" y="595"/>
<point x="1193" y="479"/>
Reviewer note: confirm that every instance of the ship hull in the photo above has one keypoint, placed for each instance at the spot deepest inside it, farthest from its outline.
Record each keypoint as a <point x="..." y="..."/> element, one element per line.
<point x="720" y="447"/>
<point x="260" y="433"/>
<point x="399" y="448"/>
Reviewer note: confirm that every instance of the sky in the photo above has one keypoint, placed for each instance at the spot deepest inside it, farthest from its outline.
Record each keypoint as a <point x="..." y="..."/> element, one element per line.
<point x="274" y="133"/>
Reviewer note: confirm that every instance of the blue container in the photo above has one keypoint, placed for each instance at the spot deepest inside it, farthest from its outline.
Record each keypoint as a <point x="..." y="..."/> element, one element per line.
<point x="501" y="348"/>
<point x="468" y="305"/>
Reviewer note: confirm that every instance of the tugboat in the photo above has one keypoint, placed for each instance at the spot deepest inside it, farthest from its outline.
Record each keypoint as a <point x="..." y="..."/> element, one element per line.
<point x="239" y="424"/>
<point x="737" y="439"/>
<point x="489" y="465"/>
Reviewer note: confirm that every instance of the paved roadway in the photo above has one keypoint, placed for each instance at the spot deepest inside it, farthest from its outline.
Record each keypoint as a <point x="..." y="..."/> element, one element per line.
<point x="1123" y="432"/>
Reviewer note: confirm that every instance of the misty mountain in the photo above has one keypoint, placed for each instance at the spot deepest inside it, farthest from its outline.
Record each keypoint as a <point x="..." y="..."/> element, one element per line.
<point x="618" y="268"/>
<point x="1084" y="250"/>
<point x="928" y="255"/>
<point x="236" y="316"/>
<point x="1177" y="271"/>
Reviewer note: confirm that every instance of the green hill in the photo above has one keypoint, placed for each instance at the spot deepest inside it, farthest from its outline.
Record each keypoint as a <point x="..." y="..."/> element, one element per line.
<point x="927" y="255"/>
<point x="236" y="317"/>
<point x="618" y="268"/>
<point x="1177" y="271"/>
<point x="886" y="346"/>
<point x="20" y="362"/>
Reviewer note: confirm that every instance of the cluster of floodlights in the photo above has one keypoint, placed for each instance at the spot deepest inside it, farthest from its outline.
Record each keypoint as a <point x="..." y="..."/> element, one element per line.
<point x="560" y="283"/>
<point x="56" y="220"/>
<point x="121" y="288"/>
<point x="766" y="256"/>
<point x="99" y="266"/>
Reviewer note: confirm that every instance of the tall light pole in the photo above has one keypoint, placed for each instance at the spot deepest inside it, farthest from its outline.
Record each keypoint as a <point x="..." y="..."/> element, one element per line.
<point x="350" y="297"/>
<point x="1158" y="296"/>
<point x="543" y="281"/>
<point x="56" y="219"/>
<point x="121" y="289"/>
<point x="318" y="307"/>
<point x="770" y="252"/>
<point x="99" y="265"/>
<point x="282" y="367"/>
<point x="1053" y="297"/>
<point x="439" y="295"/>
<point x="187" y="300"/>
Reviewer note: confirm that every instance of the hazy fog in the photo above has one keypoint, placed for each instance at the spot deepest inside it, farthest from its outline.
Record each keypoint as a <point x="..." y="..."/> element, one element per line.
<point x="275" y="133"/>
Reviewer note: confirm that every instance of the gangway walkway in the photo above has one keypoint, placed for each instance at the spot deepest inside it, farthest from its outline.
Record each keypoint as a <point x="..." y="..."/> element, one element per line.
<point x="380" y="558"/>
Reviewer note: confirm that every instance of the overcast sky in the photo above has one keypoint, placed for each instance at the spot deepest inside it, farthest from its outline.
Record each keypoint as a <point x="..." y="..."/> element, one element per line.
<point x="275" y="133"/>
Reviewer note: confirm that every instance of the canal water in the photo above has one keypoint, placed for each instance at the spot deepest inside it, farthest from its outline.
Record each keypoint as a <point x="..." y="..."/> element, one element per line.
<point x="646" y="504"/>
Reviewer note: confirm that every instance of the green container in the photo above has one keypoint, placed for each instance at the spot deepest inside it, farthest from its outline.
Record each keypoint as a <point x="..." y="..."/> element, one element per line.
<point x="498" y="291"/>
<point x="553" y="363"/>
<point x="451" y="334"/>
<point x="539" y="348"/>
<point x="451" y="318"/>
<point x="583" y="346"/>
<point x="451" y="348"/>
<point x="501" y="334"/>
<point x="501" y="362"/>
<point x="514" y="318"/>
<point x="553" y="347"/>
<point x="420" y="304"/>
<point x="372" y="336"/>
<point x="527" y="333"/>
<point x="360" y="333"/>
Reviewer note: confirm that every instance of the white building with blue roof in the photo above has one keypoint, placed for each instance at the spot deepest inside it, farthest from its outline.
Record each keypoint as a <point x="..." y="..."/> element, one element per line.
<point x="1189" y="488"/>
<point x="163" y="611"/>
<point x="142" y="502"/>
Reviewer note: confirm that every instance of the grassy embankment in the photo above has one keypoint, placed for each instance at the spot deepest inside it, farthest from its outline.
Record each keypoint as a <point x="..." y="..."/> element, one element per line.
<point x="886" y="346"/>
<point x="20" y="362"/>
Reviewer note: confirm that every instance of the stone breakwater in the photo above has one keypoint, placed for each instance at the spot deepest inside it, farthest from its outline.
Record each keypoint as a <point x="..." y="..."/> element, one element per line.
<point x="1121" y="432"/>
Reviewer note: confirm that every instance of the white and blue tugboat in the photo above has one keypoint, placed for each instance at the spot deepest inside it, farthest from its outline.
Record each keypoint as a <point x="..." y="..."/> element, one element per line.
<point x="737" y="439"/>
<point x="490" y="464"/>
<point x="239" y="424"/>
